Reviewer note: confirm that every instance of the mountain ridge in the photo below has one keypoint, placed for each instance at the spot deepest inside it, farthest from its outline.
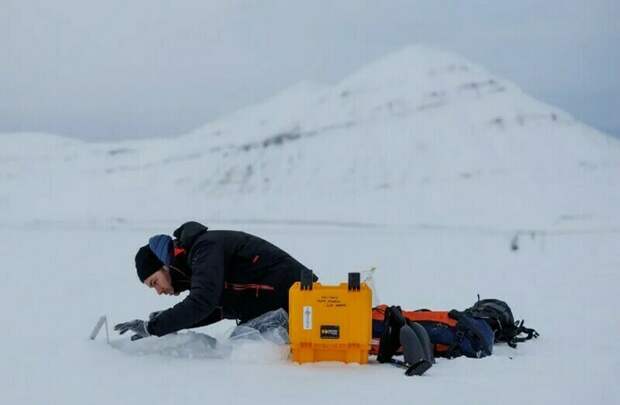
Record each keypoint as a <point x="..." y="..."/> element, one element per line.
<point x="415" y="131"/>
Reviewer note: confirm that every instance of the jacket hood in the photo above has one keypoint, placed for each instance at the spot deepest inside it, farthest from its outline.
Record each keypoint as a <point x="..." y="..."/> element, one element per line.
<point x="187" y="234"/>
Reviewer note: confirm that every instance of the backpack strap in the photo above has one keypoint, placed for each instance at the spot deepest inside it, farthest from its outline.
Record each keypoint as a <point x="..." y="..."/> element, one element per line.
<point x="519" y="329"/>
<point x="390" y="338"/>
<point x="465" y="328"/>
<point x="453" y="350"/>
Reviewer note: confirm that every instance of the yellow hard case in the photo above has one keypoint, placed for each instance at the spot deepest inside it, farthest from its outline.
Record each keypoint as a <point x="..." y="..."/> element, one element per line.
<point x="330" y="322"/>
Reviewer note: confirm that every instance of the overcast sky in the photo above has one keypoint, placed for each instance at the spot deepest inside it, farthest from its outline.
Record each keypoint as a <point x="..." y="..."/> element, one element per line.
<point x="117" y="68"/>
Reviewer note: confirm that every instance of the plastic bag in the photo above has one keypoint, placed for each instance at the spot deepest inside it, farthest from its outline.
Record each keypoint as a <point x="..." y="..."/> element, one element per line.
<point x="271" y="326"/>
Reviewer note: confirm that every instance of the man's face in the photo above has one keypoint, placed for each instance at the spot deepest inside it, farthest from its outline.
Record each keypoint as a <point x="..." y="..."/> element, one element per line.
<point x="160" y="281"/>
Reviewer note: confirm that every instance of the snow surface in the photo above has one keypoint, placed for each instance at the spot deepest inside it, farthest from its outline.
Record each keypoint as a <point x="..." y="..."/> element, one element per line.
<point x="421" y="164"/>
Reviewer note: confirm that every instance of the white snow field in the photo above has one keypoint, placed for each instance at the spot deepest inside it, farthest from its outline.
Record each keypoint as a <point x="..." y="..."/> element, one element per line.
<point x="421" y="164"/>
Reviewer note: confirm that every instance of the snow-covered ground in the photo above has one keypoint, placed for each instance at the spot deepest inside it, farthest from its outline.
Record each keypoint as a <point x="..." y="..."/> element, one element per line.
<point x="57" y="283"/>
<point x="421" y="164"/>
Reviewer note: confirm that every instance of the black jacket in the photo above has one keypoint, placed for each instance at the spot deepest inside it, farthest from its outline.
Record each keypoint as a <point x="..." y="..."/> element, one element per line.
<point x="232" y="275"/>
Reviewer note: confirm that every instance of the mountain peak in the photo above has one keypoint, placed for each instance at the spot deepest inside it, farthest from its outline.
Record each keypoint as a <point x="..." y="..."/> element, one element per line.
<point x="413" y="66"/>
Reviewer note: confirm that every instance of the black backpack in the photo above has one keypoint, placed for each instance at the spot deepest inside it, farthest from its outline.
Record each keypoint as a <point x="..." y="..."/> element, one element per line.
<point x="499" y="317"/>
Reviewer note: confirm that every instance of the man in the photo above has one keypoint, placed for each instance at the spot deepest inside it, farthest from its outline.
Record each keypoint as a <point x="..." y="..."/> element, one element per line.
<point x="229" y="274"/>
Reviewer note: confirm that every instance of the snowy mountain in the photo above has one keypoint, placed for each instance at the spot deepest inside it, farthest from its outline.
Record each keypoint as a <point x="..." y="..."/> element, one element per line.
<point x="420" y="136"/>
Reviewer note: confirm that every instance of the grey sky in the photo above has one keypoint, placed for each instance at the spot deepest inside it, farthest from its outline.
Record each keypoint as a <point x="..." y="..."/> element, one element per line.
<point x="138" y="68"/>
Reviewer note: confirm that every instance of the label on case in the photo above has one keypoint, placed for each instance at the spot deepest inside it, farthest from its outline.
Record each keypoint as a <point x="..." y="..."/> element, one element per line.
<point x="330" y="332"/>
<point x="307" y="317"/>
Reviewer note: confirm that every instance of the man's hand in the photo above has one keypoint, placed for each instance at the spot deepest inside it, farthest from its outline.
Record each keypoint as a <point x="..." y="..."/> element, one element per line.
<point x="137" y="326"/>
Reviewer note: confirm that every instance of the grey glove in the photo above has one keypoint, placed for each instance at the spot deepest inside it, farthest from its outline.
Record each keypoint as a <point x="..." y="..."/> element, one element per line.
<point x="139" y="327"/>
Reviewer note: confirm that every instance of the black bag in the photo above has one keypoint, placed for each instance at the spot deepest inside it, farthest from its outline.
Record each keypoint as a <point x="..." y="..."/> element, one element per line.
<point x="498" y="315"/>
